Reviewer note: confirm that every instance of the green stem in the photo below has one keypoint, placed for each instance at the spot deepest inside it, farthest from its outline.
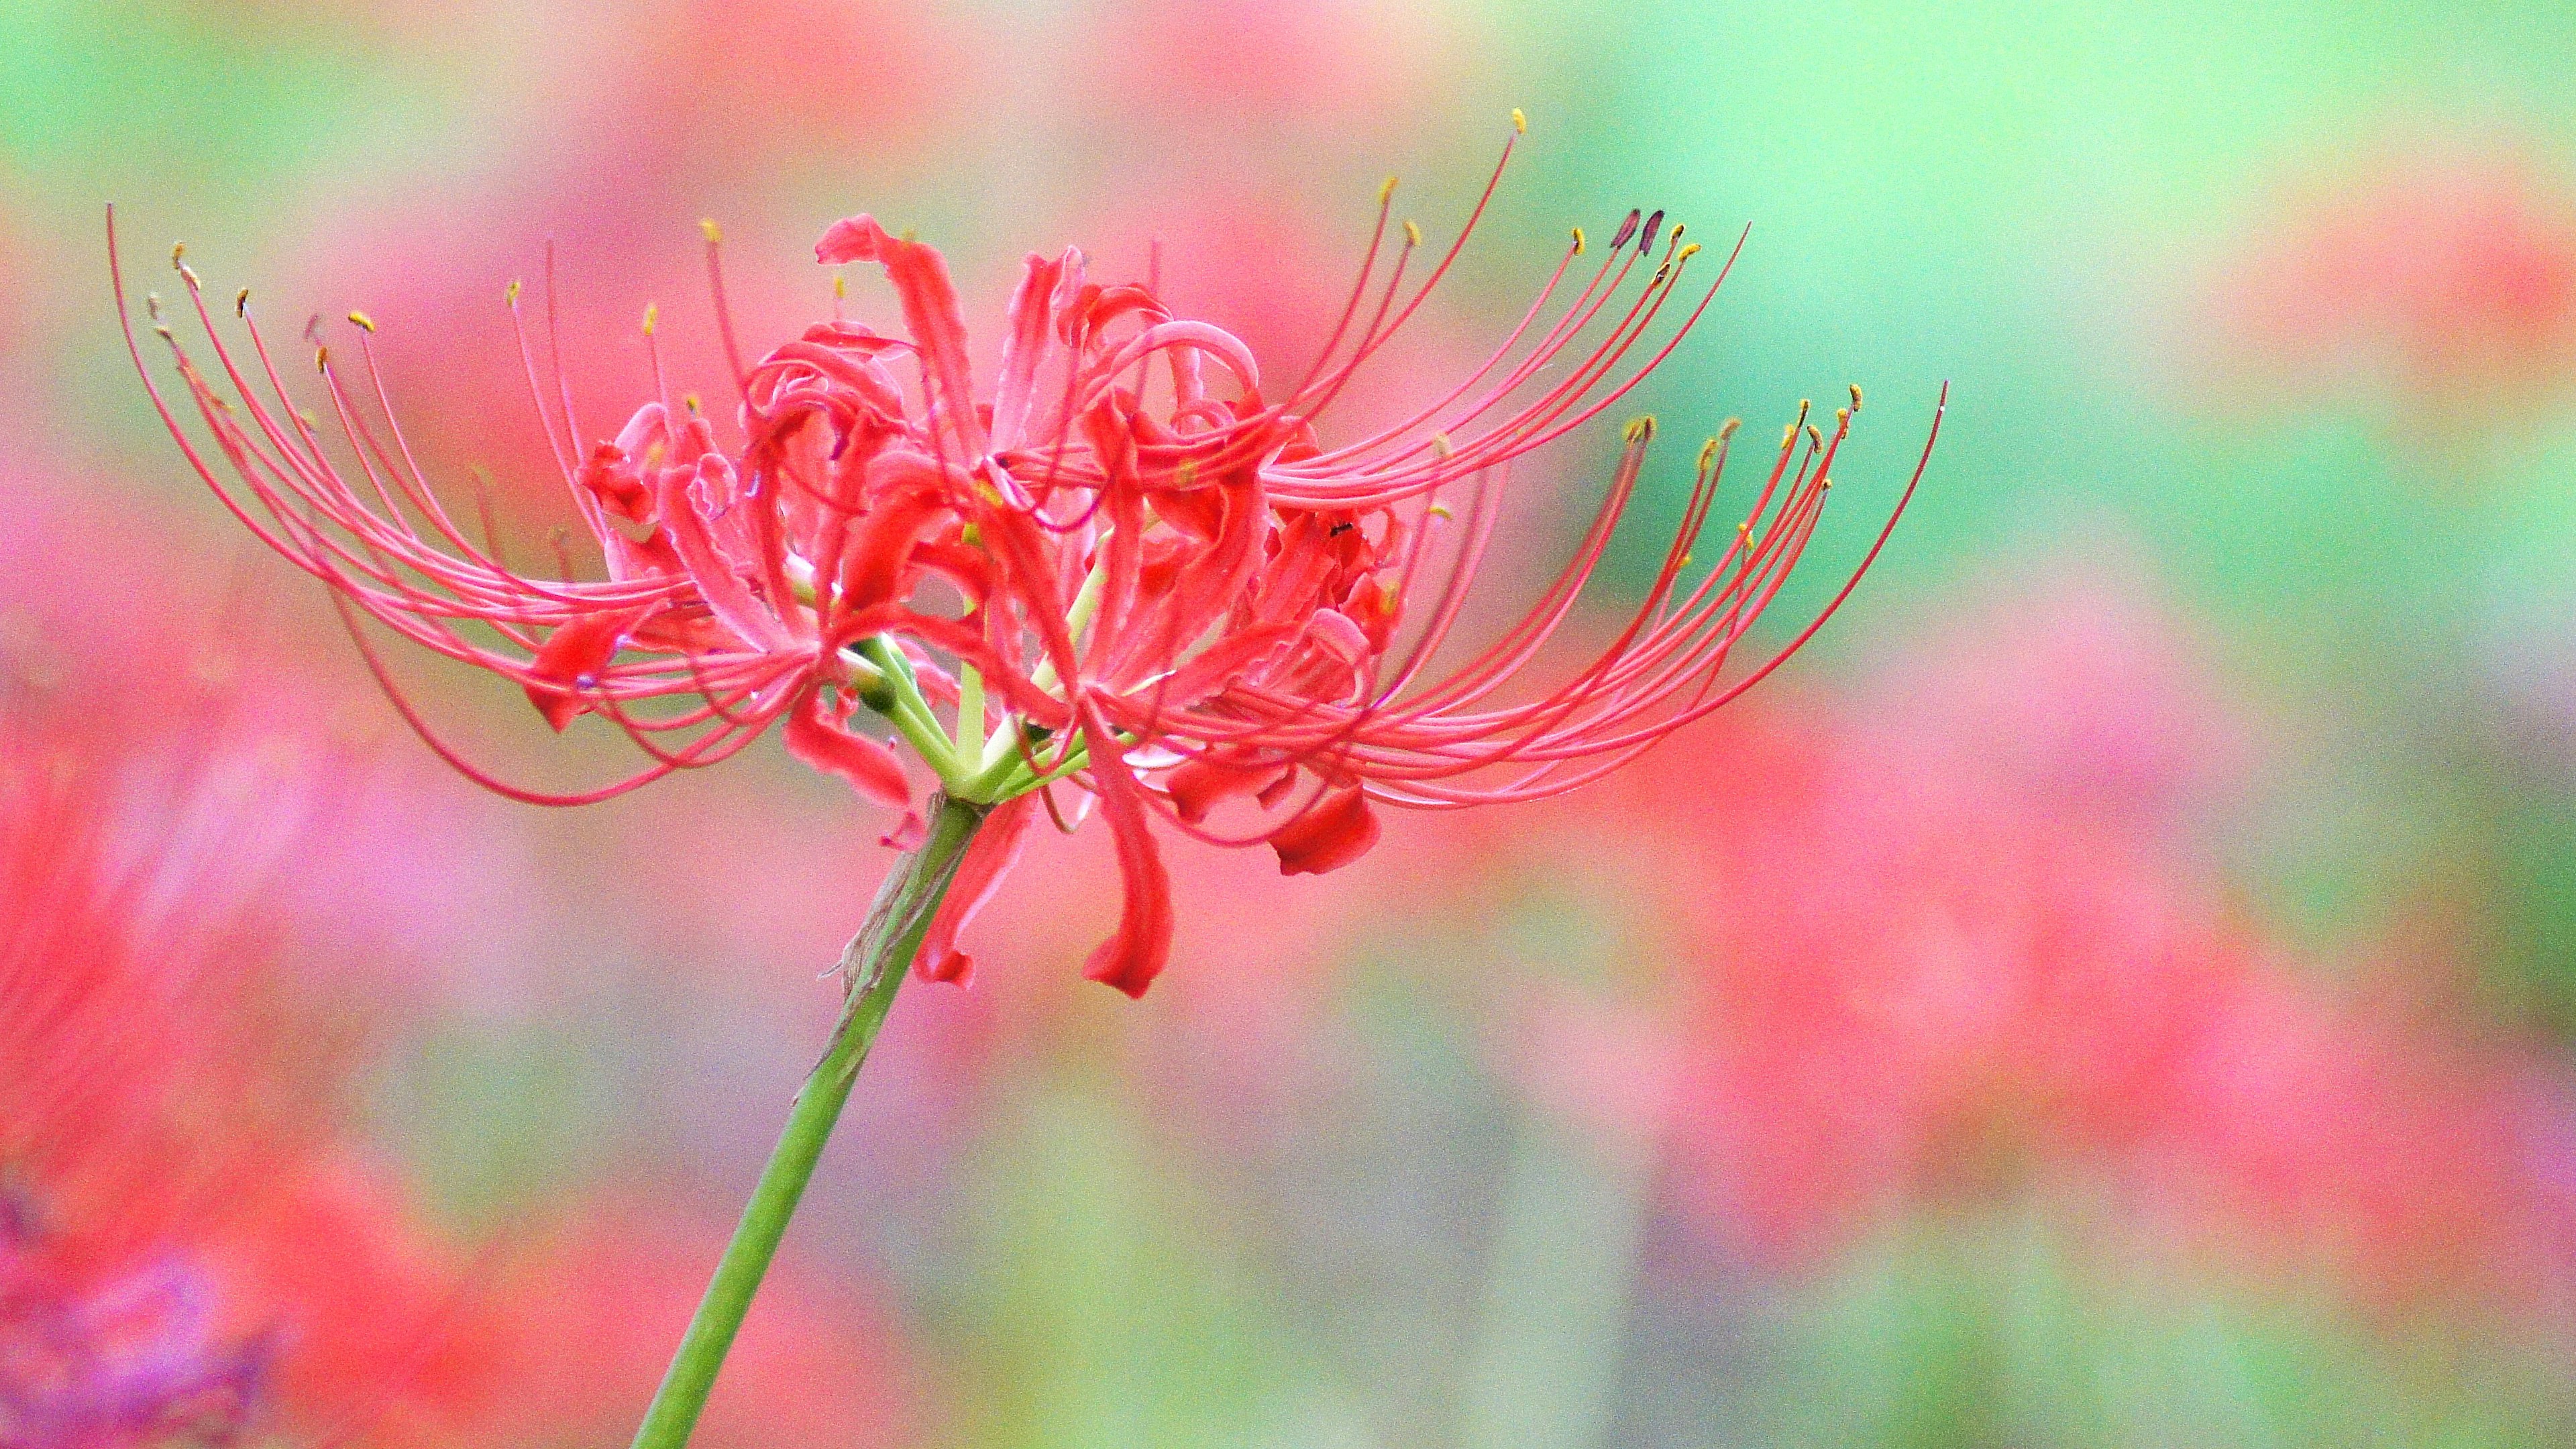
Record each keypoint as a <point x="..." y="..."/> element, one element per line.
<point x="877" y="961"/>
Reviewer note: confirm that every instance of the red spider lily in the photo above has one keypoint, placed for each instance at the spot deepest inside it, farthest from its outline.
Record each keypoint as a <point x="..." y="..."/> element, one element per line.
<point x="1134" y="565"/>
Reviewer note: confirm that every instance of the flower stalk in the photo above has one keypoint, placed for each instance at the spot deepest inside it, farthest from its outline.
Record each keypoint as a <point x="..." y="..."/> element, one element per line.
<point x="874" y="966"/>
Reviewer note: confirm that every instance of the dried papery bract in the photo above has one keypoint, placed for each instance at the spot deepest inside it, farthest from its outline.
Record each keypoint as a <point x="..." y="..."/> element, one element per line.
<point x="1135" y="566"/>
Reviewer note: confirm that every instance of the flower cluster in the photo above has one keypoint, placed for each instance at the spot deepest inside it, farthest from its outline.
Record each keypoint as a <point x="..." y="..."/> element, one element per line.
<point x="1946" y="944"/>
<point x="192" y="1254"/>
<point x="134" y="1360"/>
<point x="1134" y="565"/>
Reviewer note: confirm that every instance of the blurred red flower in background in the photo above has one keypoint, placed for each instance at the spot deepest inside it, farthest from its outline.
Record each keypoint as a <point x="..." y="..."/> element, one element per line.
<point x="192" y="1243"/>
<point x="2446" y="266"/>
<point x="1948" y="947"/>
<point x="1261" y="64"/>
<point x="165" y="1115"/>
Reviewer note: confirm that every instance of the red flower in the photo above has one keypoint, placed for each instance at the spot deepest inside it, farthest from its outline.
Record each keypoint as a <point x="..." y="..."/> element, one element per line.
<point x="1134" y="564"/>
<point x="161" y="1156"/>
<point x="188" y="1254"/>
<point x="2446" y="266"/>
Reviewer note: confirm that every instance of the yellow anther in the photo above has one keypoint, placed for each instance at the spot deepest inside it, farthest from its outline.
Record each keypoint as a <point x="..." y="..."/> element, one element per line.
<point x="1803" y="405"/>
<point x="713" y="233"/>
<point x="188" y="274"/>
<point x="840" y="286"/>
<point x="652" y="314"/>
<point x="1578" y="241"/>
<point x="177" y="250"/>
<point x="1728" y="431"/>
<point x="1842" y="417"/>
<point x="1439" y="510"/>
<point x="1686" y="253"/>
<point x="1520" y="123"/>
<point x="322" y="359"/>
<point x="1385" y="189"/>
<point x="1412" y="235"/>
<point x="510" y="293"/>
<point x="1440" y="445"/>
<point x="1707" y="451"/>
<point x="1855" y="387"/>
<point x="1788" y="435"/>
<point x="971" y="536"/>
<point x="1825" y="483"/>
<point x="1687" y="559"/>
<point x="364" y="321"/>
<point x="1814" y="439"/>
<point x="1640" y="430"/>
<point x="241" y="302"/>
<point x="689" y="400"/>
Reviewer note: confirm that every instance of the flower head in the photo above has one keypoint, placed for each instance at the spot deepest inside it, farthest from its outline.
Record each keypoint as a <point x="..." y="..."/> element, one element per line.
<point x="1135" y="564"/>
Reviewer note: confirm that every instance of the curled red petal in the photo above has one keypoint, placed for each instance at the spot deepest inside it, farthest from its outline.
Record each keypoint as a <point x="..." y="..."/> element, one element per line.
<point x="1339" y="829"/>
<point x="930" y="313"/>
<point x="571" y="656"/>
<point x="851" y="239"/>
<point x="1024" y="346"/>
<point x="611" y="477"/>
<point x="908" y="833"/>
<point x="995" y="849"/>
<point x="1269" y="796"/>
<point x="870" y="767"/>
<point x="1131" y="959"/>
<point x="1200" y="785"/>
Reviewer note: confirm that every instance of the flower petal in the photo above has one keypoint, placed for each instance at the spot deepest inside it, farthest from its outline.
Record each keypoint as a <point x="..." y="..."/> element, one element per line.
<point x="871" y="768"/>
<point x="570" y="657"/>
<point x="1198" y="786"/>
<point x="930" y="314"/>
<point x="1025" y="347"/>
<point x="718" y="583"/>
<point x="989" y="857"/>
<point x="1336" y="830"/>
<point x="1131" y="959"/>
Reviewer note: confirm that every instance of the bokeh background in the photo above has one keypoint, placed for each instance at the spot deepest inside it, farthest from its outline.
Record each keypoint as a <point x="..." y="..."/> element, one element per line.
<point x="2118" y="987"/>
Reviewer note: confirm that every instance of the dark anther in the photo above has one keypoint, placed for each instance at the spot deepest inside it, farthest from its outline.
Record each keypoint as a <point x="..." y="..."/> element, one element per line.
<point x="1339" y="529"/>
<point x="1627" y="229"/>
<point x="1654" y="224"/>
